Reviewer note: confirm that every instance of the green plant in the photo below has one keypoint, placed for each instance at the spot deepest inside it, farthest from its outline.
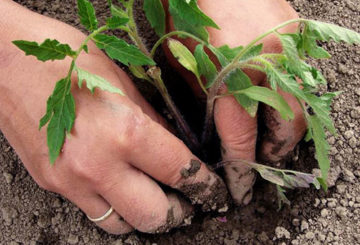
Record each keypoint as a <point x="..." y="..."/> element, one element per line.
<point x="282" y="71"/>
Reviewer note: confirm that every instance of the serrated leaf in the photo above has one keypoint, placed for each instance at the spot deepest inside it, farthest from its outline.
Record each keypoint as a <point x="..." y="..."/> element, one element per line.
<point x="94" y="81"/>
<point x="281" y="197"/>
<point x="311" y="47"/>
<point x="117" y="11"/>
<point x="271" y="176"/>
<point x="321" y="107"/>
<point x="61" y="114"/>
<point x="205" y="66"/>
<point x="184" y="56"/>
<point x="325" y="32"/>
<point x="191" y="12"/>
<point x="236" y="81"/>
<point x="87" y="15"/>
<point x="294" y="64"/>
<point x="122" y="51"/>
<point x="271" y="98"/>
<point x="116" y="21"/>
<point x="48" y="50"/>
<point x="252" y="52"/>
<point x="321" y="145"/>
<point x="285" y="81"/>
<point x="230" y="53"/>
<point x="188" y="17"/>
<point x="155" y="14"/>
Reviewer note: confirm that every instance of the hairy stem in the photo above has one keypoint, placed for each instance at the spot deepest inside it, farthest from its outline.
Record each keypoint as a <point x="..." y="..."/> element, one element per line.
<point x="175" y="33"/>
<point x="155" y="73"/>
<point x="208" y="127"/>
<point x="189" y="137"/>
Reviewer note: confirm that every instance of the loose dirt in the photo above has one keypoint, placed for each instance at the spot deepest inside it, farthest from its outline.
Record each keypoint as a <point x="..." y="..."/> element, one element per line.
<point x="29" y="215"/>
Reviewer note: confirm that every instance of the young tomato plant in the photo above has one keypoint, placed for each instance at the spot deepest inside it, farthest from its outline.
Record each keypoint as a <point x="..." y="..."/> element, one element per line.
<point x="282" y="71"/>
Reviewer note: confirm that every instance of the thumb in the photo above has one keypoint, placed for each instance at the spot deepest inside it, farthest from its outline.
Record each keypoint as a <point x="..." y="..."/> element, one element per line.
<point x="237" y="131"/>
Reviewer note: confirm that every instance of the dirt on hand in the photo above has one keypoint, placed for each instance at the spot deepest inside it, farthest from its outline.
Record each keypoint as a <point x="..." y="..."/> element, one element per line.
<point x="29" y="215"/>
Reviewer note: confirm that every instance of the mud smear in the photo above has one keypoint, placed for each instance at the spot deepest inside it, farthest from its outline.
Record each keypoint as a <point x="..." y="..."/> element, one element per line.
<point x="194" y="168"/>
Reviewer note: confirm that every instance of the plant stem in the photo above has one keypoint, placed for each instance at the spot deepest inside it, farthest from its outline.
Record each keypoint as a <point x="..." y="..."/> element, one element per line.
<point x="190" y="137"/>
<point x="174" y="33"/>
<point x="208" y="127"/>
<point x="155" y="73"/>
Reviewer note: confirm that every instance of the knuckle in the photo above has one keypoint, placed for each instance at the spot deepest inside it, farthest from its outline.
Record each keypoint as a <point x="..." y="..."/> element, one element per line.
<point x="133" y="128"/>
<point x="51" y="183"/>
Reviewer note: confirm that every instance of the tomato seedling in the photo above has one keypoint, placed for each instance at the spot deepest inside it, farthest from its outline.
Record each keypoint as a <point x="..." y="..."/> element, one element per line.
<point x="282" y="71"/>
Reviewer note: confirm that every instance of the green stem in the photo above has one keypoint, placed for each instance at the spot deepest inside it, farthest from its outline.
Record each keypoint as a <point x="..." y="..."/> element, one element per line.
<point x="82" y="47"/>
<point x="174" y="33"/>
<point x="225" y="71"/>
<point x="155" y="73"/>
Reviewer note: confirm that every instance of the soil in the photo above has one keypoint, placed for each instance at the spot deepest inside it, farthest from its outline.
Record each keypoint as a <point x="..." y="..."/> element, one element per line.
<point x="29" y="215"/>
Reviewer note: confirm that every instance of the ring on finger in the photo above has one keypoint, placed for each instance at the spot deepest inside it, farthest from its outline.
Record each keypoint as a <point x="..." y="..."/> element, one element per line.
<point x="104" y="217"/>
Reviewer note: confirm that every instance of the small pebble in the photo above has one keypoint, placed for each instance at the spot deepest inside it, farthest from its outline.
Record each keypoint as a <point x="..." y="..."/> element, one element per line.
<point x="341" y="189"/>
<point x="8" y="178"/>
<point x="324" y="213"/>
<point x="341" y="212"/>
<point x="73" y="239"/>
<point x="281" y="232"/>
<point x="304" y="225"/>
<point x="348" y="134"/>
<point x="349" y="176"/>
<point x="309" y="235"/>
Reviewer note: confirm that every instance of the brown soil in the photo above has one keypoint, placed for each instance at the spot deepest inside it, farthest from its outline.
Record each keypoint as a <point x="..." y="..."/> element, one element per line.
<point x="29" y="215"/>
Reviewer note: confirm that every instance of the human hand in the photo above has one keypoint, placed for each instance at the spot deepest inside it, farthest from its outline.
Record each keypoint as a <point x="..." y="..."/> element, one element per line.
<point x="240" y="23"/>
<point x="119" y="146"/>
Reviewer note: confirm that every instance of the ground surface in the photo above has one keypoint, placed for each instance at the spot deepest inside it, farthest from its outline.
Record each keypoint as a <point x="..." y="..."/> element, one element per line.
<point x="29" y="215"/>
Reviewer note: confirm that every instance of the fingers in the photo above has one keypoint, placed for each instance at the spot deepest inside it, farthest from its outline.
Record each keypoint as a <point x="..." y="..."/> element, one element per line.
<point x="238" y="132"/>
<point x="164" y="157"/>
<point x="142" y="203"/>
<point x="95" y="206"/>
<point x="281" y="136"/>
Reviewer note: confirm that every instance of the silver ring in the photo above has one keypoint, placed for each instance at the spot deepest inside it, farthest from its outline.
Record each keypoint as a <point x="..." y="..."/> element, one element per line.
<point x="104" y="217"/>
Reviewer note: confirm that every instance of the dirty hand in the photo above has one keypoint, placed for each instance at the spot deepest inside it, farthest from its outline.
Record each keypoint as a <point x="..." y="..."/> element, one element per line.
<point x="240" y="23"/>
<point x="119" y="146"/>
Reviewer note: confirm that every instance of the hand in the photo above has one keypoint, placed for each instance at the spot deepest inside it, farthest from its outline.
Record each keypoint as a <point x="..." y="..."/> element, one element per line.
<point x="119" y="146"/>
<point x="240" y="23"/>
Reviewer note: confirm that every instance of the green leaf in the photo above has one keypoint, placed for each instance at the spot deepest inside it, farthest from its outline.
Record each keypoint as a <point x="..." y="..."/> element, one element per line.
<point x="122" y="51"/>
<point x="61" y="114"/>
<point x="116" y="21"/>
<point x="205" y="66"/>
<point x="155" y="14"/>
<point x="87" y="15"/>
<point x="191" y="12"/>
<point x="238" y="80"/>
<point x="294" y="64"/>
<point x="325" y="32"/>
<point x="321" y="107"/>
<point x="321" y="145"/>
<point x="311" y="47"/>
<point x="48" y="50"/>
<point x="188" y="17"/>
<point x="281" y="197"/>
<point x="271" y="176"/>
<point x="252" y="52"/>
<point x="271" y="98"/>
<point x="285" y="81"/>
<point x="230" y="53"/>
<point x="118" y="12"/>
<point x="94" y="81"/>
<point x="184" y="56"/>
